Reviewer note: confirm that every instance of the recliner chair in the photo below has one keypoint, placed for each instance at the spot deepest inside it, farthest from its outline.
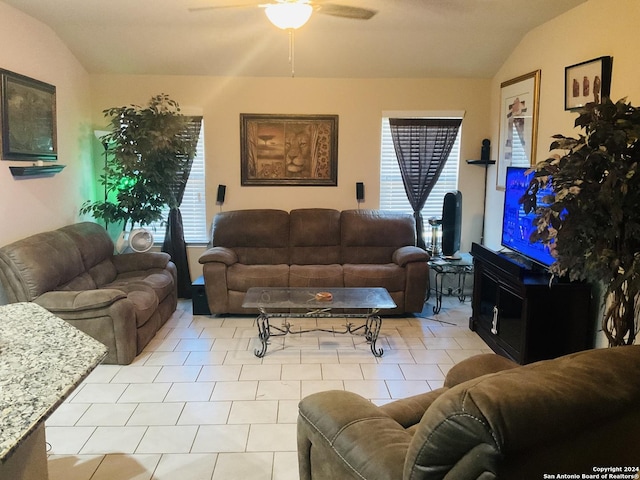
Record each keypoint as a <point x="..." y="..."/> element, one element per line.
<point x="492" y="419"/>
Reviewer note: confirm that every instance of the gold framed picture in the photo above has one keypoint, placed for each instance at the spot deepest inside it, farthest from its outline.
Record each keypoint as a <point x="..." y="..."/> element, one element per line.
<point x="289" y="149"/>
<point x="519" y="103"/>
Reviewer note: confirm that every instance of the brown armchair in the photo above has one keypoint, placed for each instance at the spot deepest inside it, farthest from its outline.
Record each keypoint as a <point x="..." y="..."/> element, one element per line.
<point x="492" y="419"/>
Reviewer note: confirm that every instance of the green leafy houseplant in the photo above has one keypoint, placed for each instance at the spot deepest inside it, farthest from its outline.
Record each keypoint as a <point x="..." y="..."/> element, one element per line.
<point x="592" y="222"/>
<point x="146" y="149"/>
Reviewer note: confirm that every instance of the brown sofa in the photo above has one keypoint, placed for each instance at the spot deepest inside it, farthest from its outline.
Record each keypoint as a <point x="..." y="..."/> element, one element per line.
<point x="313" y="247"/>
<point x="492" y="419"/>
<point x="120" y="300"/>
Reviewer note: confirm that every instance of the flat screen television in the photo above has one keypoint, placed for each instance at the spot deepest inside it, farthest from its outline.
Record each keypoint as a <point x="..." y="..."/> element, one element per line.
<point x="518" y="225"/>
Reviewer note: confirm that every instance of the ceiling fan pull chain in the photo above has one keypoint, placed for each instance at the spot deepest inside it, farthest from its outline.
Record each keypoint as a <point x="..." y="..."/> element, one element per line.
<point x="292" y="52"/>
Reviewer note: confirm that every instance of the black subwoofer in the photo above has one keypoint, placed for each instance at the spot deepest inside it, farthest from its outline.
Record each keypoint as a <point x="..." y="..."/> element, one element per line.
<point x="451" y="223"/>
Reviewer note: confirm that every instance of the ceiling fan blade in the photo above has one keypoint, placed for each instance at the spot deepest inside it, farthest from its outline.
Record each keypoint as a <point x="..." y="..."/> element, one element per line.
<point x="219" y="7"/>
<point x="346" y="11"/>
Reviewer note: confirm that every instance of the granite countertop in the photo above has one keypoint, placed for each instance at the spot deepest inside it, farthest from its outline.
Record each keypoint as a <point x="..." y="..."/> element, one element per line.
<point x="42" y="360"/>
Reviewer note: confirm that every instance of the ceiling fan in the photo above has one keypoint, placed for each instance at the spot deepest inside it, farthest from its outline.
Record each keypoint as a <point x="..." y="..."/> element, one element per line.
<point x="292" y="14"/>
<point x="319" y="6"/>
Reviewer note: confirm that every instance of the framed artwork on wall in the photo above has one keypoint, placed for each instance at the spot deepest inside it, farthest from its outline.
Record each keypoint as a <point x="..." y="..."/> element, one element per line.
<point x="28" y="118"/>
<point x="587" y="82"/>
<point x="519" y="103"/>
<point x="288" y="149"/>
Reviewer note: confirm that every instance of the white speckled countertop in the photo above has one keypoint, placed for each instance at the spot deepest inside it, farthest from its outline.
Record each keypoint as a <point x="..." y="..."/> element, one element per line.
<point x="42" y="360"/>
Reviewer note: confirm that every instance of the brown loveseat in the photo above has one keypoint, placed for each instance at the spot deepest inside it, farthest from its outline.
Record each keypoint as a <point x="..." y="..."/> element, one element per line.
<point x="313" y="247"/>
<point x="564" y="416"/>
<point x="120" y="300"/>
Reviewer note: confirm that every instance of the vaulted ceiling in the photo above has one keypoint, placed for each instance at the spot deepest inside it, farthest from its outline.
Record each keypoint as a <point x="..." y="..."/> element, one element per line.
<point x="406" y="38"/>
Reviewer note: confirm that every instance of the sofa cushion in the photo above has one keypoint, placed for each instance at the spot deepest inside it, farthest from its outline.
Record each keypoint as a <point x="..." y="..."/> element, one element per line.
<point x="74" y="301"/>
<point x="81" y="282"/>
<point x="92" y="240"/>
<point x="103" y="273"/>
<point x="241" y="277"/>
<point x="161" y="283"/>
<point x="314" y="236"/>
<point x="316" y="276"/>
<point x="144" y="300"/>
<point x="372" y="236"/>
<point x="39" y="263"/>
<point x="390" y="276"/>
<point x="257" y="236"/>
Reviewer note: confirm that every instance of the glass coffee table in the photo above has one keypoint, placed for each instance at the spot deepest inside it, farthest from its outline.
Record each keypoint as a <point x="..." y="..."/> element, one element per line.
<point x="312" y="302"/>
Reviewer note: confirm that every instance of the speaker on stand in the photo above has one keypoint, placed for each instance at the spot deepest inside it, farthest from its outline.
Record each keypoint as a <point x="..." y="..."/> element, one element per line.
<point x="359" y="193"/>
<point x="485" y="161"/>
<point x="222" y="191"/>
<point x="451" y="223"/>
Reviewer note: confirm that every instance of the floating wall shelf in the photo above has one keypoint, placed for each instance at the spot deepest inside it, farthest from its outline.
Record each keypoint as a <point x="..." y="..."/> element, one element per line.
<point x="36" y="170"/>
<point x="481" y="162"/>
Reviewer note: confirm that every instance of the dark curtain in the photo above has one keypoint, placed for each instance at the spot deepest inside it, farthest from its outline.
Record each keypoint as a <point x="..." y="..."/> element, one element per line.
<point x="174" y="243"/>
<point x="422" y="147"/>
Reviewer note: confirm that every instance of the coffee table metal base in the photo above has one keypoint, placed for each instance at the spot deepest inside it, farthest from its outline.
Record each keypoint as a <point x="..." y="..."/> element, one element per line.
<point x="367" y="300"/>
<point x="370" y="330"/>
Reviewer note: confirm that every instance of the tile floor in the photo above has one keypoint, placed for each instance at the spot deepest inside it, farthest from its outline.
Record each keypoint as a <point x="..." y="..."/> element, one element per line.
<point x="198" y="405"/>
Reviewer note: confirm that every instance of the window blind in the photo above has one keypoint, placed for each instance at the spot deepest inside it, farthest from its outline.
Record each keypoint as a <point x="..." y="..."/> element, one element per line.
<point x="193" y="206"/>
<point x="392" y="194"/>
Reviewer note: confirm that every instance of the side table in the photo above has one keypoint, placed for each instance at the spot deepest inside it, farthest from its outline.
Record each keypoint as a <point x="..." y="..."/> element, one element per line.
<point x="443" y="266"/>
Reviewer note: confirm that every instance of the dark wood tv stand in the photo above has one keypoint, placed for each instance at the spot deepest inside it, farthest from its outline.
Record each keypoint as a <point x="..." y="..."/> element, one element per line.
<point x="523" y="316"/>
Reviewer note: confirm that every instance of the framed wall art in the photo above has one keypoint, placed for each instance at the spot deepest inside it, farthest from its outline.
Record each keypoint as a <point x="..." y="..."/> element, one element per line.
<point x="519" y="103"/>
<point x="587" y="82"/>
<point x="289" y="149"/>
<point x="28" y="118"/>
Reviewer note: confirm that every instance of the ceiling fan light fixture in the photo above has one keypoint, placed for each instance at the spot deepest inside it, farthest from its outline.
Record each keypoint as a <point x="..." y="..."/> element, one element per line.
<point x="288" y="15"/>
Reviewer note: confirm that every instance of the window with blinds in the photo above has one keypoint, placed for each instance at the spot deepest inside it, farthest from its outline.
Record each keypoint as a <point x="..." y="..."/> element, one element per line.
<point x="193" y="207"/>
<point x="392" y="194"/>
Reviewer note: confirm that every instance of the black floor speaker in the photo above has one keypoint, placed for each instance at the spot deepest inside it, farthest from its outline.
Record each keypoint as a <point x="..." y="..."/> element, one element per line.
<point x="451" y="223"/>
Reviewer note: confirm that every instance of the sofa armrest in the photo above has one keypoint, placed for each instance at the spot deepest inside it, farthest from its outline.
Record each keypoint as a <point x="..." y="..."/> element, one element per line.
<point x="219" y="254"/>
<point x="133" y="262"/>
<point x="76" y="301"/>
<point x="408" y="254"/>
<point x="348" y="433"/>
<point x="409" y="411"/>
<point x="477" y="366"/>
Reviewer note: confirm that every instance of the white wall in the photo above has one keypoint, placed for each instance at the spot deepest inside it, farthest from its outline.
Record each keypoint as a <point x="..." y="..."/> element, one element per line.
<point x="32" y="205"/>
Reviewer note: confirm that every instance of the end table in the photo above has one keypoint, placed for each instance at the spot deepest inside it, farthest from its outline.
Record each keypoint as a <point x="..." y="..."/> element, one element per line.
<point x="442" y="266"/>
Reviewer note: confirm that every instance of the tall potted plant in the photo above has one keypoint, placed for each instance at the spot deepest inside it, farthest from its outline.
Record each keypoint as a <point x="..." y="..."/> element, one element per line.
<point x="147" y="148"/>
<point x="592" y="222"/>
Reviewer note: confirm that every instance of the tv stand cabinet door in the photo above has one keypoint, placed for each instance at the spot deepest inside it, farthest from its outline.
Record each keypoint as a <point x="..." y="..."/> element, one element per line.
<point x="498" y="313"/>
